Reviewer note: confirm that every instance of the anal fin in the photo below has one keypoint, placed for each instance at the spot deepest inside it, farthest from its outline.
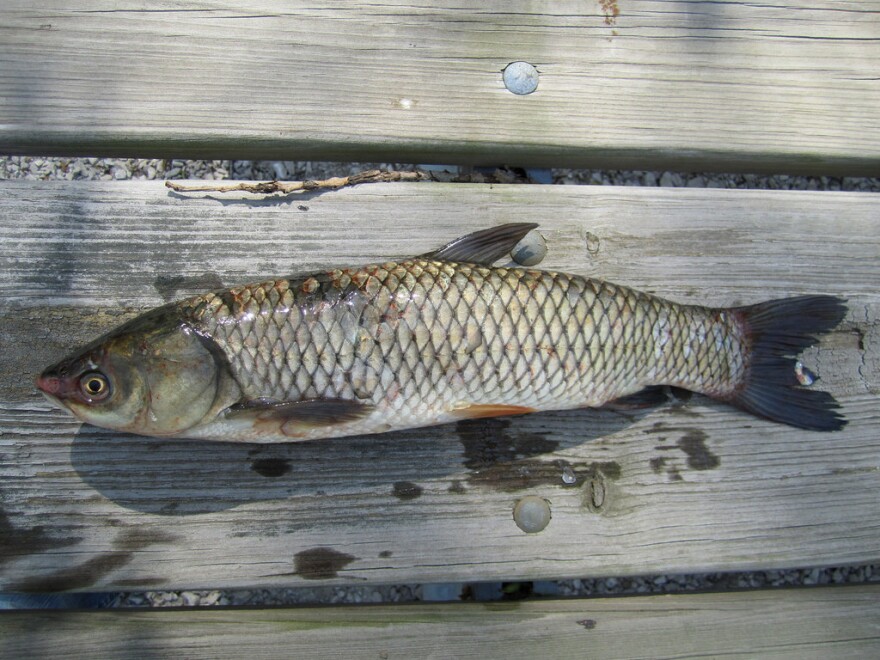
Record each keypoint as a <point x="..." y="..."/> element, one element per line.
<point x="480" y="410"/>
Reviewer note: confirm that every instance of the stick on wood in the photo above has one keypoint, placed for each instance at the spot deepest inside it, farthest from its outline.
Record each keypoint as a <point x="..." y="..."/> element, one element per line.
<point x="287" y="187"/>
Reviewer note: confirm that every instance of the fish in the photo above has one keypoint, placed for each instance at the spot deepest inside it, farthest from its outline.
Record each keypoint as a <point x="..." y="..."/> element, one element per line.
<point x="436" y="338"/>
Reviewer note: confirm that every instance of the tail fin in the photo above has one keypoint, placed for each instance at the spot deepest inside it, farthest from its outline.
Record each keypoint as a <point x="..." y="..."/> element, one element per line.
<point x="779" y="330"/>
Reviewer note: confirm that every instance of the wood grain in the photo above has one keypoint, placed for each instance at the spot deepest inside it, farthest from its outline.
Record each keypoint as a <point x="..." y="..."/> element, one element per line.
<point x="719" y="85"/>
<point x="807" y="623"/>
<point x="699" y="487"/>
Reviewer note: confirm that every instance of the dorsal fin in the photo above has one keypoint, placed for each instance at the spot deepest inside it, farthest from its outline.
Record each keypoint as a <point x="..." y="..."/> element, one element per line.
<point x="483" y="247"/>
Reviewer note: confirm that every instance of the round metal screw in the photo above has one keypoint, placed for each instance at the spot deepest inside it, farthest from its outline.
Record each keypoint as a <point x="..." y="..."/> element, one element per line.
<point x="520" y="78"/>
<point x="532" y="514"/>
<point x="531" y="250"/>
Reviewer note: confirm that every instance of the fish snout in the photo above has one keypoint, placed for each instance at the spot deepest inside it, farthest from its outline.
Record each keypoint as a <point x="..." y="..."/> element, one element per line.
<point x="49" y="384"/>
<point x="56" y="383"/>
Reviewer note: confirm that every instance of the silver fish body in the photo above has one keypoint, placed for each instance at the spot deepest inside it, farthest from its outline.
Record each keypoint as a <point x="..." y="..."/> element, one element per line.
<point x="423" y="342"/>
<point x="430" y="340"/>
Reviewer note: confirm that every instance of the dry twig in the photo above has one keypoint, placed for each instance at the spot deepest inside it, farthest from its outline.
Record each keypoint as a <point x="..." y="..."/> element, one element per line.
<point x="287" y="187"/>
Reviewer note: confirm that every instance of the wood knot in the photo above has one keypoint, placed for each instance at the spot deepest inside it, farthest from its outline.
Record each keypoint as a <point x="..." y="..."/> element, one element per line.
<point x="596" y="493"/>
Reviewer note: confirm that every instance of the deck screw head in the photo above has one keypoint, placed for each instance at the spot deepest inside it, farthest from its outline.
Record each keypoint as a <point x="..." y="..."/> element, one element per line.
<point x="532" y="514"/>
<point x="520" y="78"/>
<point x="531" y="250"/>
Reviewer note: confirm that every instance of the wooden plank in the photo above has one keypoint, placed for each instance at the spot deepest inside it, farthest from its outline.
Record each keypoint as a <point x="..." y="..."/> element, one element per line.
<point x="700" y="488"/>
<point x="720" y="85"/>
<point x="827" y="622"/>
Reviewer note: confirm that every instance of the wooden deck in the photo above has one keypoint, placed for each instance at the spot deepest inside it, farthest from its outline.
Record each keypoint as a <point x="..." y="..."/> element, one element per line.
<point x="700" y="487"/>
<point x="717" y="85"/>
<point x="809" y="623"/>
<point x="641" y="84"/>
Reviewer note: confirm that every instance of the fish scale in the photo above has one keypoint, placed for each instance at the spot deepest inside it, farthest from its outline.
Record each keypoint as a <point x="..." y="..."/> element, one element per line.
<point x="427" y="339"/>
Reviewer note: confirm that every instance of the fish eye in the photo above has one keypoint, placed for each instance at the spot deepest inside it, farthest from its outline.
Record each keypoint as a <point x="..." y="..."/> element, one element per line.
<point x="94" y="385"/>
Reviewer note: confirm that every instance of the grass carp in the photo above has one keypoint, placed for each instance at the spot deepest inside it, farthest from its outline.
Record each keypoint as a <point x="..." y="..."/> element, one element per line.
<point x="431" y="339"/>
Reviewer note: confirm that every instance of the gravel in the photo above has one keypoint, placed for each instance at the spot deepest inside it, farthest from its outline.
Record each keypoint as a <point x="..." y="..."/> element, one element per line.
<point x="20" y="167"/>
<point x="134" y="169"/>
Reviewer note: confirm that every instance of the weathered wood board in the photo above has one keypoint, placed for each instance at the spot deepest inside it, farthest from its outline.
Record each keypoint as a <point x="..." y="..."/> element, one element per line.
<point x="721" y="85"/>
<point x="699" y="487"/>
<point x="806" y="623"/>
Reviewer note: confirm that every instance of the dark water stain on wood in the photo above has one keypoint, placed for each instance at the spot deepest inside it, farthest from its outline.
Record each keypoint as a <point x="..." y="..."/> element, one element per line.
<point x="502" y="459"/>
<point x="168" y="286"/>
<point x="81" y="576"/>
<point x="138" y="538"/>
<point x="656" y="427"/>
<point x="693" y="444"/>
<point x="610" y="469"/>
<point x="529" y="473"/>
<point x="271" y="467"/>
<point x="505" y="460"/>
<point x="17" y="542"/>
<point x="85" y="575"/>
<point x="657" y="464"/>
<point x="406" y="490"/>
<point x="684" y="411"/>
<point x="457" y="487"/>
<point x="661" y="464"/>
<point x="385" y="554"/>
<point x="490" y="441"/>
<point x="517" y="475"/>
<point x="320" y="563"/>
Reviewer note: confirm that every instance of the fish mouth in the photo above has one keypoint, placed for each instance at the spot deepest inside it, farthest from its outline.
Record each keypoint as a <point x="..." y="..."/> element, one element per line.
<point x="51" y="387"/>
<point x="48" y="384"/>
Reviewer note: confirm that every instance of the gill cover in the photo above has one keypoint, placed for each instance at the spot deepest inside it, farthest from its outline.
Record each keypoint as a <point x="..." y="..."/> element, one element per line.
<point x="164" y="377"/>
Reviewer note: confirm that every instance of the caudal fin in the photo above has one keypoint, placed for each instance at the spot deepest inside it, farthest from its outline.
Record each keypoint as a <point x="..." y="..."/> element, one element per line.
<point x="779" y="330"/>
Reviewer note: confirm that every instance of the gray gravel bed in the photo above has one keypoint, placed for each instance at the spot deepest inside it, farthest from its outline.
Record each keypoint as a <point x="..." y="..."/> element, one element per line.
<point x="585" y="587"/>
<point x="121" y="169"/>
<point x="125" y="169"/>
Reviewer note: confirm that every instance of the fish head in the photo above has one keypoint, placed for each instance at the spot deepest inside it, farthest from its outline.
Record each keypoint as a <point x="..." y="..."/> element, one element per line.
<point x="154" y="375"/>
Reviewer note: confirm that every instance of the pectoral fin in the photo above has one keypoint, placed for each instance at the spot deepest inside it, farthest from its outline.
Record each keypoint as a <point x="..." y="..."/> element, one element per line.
<point x="294" y="418"/>
<point x="483" y="247"/>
